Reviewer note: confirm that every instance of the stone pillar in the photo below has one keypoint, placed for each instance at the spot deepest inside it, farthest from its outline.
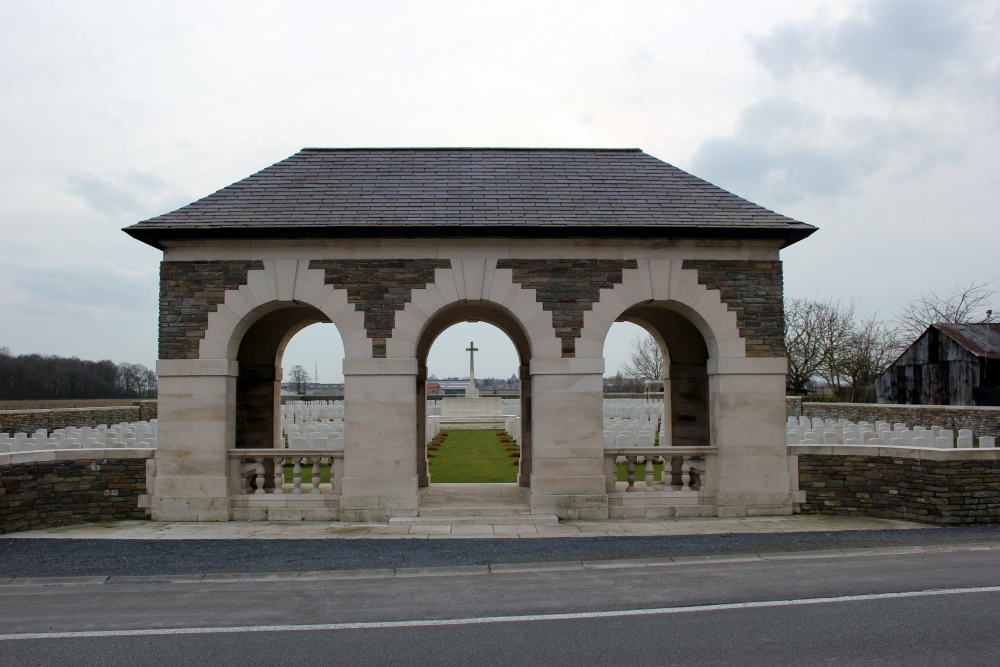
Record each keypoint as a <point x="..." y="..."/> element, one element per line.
<point x="747" y="407"/>
<point x="380" y="430"/>
<point x="197" y="406"/>
<point x="567" y="476"/>
<point x="667" y="425"/>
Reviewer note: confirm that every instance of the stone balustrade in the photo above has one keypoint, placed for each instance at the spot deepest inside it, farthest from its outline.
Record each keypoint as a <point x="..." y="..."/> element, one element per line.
<point x="685" y="488"/>
<point x="262" y="471"/>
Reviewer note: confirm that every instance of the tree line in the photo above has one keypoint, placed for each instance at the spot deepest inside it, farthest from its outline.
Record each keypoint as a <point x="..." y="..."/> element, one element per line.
<point x="45" y="377"/>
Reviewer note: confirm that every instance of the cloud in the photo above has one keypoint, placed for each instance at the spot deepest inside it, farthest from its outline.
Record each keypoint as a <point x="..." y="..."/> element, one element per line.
<point x="130" y="195"/>
<point x="905" y="46"/>
<point x="785" y="150"/>
<point x="90" y="287"/>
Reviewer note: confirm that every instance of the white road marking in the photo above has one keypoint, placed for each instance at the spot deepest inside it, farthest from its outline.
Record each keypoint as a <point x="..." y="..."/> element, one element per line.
<point x="422" y="623"/>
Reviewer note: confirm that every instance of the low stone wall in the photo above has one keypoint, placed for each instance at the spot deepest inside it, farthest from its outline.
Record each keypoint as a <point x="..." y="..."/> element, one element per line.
<point x="982" y="421"/>
<point x="28" y="421"/>
<point x="54" y="488"/>
<point x="927" y="485"/>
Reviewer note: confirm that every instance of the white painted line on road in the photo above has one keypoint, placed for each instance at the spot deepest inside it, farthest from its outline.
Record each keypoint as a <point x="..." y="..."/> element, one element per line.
<point x="483" y="620"/>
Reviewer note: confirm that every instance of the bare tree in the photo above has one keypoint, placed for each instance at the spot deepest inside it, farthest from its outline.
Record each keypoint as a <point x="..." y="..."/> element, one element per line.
<point x="871" y="347"/>
<point x="837" y="324"/>
<point x="816" y="336"/>
<point x="959" y="305"/>
<point x="803" y="343"/>
<point x="646" y="360"/>
<point x="300" y="377"/>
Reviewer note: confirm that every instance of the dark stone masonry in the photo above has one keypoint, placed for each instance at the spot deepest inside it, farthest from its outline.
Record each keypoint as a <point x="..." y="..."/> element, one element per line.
<point x="29" y="421"/>
<point x="189" y="291"/>
<point x="56" y="493"/>
<point x="567" y="288"/>
<point x="753" y="290"/>
<point x="939" y="492"/>
<point x="379" y="288"/>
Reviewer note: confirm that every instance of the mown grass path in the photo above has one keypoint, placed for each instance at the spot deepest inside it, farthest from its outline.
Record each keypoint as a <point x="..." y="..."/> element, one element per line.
<point x="474" y="457"/>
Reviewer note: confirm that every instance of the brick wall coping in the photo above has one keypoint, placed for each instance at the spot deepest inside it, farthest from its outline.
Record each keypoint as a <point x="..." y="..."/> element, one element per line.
<point x="130" y="406"/>
<point x="902" y="406"/>
<point x="914" y="453"/>
<point x="43" y="455"/>
<point x="895" y="406"/>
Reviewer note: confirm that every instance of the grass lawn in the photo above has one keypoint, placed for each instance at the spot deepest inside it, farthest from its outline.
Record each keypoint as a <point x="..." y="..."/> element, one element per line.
<point x="472" y="457"/>
<point x="640" y="472"/>
<point x="324" y="473"/>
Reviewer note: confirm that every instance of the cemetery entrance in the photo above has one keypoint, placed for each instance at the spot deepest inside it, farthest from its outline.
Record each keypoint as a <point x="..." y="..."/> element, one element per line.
<point x="395" y="245"/>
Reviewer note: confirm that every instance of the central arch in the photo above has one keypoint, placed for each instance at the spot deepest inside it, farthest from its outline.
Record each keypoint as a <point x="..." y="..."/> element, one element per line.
<point x="507" y="323"/>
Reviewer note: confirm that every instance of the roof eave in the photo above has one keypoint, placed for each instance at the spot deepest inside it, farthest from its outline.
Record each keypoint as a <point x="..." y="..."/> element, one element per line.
<point x="156" y="236"/>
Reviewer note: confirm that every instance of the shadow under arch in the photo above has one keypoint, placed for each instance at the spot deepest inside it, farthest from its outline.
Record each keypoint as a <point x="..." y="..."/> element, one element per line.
<point x="258" y="385"/>
<point x="510" y="325"/>
<point x="686" y="353"/>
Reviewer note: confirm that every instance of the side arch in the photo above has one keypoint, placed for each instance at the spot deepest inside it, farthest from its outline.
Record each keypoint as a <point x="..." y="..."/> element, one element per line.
<point x="665" y="284"/>
<point x="282" y="284"/>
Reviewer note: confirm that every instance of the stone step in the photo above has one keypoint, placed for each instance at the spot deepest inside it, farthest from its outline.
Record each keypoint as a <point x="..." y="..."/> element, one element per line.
<point x="472" y="510"/>
<point x="473" y="519"/>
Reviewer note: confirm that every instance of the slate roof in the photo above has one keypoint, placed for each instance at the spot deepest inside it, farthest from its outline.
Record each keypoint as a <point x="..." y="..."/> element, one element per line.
<point x="414" y="192"/>
<point x="982" y="340"/>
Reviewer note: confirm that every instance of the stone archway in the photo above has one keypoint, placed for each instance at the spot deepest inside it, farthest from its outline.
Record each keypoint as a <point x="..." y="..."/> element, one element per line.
<point x="510" y="325"/>
<point x="258" y="385"/>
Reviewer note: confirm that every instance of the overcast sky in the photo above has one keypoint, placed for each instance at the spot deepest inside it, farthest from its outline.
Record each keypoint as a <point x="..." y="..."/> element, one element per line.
<point x="875" y="121"/>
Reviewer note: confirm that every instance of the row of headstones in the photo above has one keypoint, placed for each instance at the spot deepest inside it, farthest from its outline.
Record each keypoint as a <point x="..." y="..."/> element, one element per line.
<point x="315" y="434"/>
<point x="126" y="434"/>
<point x="817" y="431"/>
<point x="511" y="424"/>
<point x="639" y="431"/>
<point x="511" y="407"/>
<point x="632" y="408"/>
<point x="301" y="412"/>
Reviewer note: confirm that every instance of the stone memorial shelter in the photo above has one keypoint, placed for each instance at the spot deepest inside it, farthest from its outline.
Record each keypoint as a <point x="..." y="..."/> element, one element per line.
<point x="393" y="246"/>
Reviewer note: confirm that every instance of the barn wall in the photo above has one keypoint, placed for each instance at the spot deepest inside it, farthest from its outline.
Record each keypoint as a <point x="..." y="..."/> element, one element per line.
<point x="934" y="370"/>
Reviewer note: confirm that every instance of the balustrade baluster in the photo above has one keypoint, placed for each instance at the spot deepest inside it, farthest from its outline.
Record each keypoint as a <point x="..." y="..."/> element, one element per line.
<point x="259" y="479"/>
<point x="297" y="476"/>
<point x="649" y="473"/>
<point x="315" y="476"/>
<point x="676" y="472"/>
<point x="279" y="475"/>
<point x="630" y="466"/>
<point x="686" y="471"/>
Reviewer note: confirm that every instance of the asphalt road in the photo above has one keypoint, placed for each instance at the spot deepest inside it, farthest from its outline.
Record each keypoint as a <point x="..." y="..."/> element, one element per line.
<point x="930" y="608"/>
<point x="36" y="557"/>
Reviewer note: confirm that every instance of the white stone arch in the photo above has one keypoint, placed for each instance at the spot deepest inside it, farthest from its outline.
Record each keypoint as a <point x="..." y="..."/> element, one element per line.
<point x="664" y="282"/>
<point x="471" y="281"/>
<point x="281" y="283"/>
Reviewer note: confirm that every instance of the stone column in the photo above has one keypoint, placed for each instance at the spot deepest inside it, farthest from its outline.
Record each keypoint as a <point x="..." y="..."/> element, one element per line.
<point x="747" y="409"/>
<point x="196" y="413"/>
<point x="567" y="475"/>
<point x="380" y="431"/>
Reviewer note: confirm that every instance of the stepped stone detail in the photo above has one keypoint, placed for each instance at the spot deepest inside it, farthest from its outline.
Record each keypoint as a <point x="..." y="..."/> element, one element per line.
<point x="568" y="288"/>
<point x="753" y="290"/>
<point x="189" y="291"/>
<point x="379" y="288"/>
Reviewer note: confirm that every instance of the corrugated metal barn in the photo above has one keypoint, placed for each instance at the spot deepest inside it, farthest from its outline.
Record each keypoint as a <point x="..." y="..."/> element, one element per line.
<point x="950" y="364"/>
